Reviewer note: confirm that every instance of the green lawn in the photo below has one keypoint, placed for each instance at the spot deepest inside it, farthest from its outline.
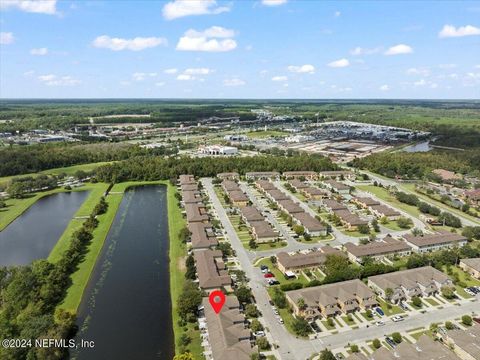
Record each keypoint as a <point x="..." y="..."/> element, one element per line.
<point x="393" y="225"/>
<point x="325" y="323"/>
<point x="265" y="134"/>
<point x="465" y="278"/>
<point x="431" y="301"/>
<point x="317" y="239"/>
<point x="395" y="310"/>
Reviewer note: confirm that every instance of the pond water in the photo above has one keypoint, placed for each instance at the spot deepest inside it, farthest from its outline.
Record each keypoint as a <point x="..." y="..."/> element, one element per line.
<point x="126" y="309"/>
<point x="34" y="233"/>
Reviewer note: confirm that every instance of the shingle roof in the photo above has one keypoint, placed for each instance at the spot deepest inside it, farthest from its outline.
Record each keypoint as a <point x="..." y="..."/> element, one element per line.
<point x="196" y="212"/>
<point x="202" y="235"/>
<point x="209" y="275"/>
<point x="435" y="239"/>
<point x="314" y="258"/>
<point x="309" y="222"/>
<point x="474" y="263"/>
<point x="290" y="206"/>
<point x="251" y="213"/>
<point x="384" y="210"/>
<point x="384" y="247"/>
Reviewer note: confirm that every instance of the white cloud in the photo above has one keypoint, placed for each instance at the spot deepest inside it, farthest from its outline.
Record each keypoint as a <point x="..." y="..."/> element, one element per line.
<point x="279" y="78"/>
<point x="54" y="80"/>
<point x="185" y="77"/>
<point x="135" y="44"/>
<point x="364" y="51"/>
<point x="420" y="82"/>
<point x="273" y="2"/>
<point x="399" y="49"/>
<point x="384" y="87"/>
<point x="206" y="40"/>
<point x="6" y="38"/>
<point x="452" y="31"/>
<point x="307" y="68"/>
<point x="337" y="13"/>
<point x="159" y="84"/>
<point x="140" y="76"/>
<point x="339" y="63"/>
<point x="39" y="51"/>
<point x="233" y="82"/>
<point x="180" y="8"/>
<point x="418" y="71"/>
<point x="32" y="6"/>
<point x="447" y="66"/>
<point x="477" y="66"/>
<point x="29" y="73"/>
<point x="198" y="71"/>
<point x="170" y="71"/>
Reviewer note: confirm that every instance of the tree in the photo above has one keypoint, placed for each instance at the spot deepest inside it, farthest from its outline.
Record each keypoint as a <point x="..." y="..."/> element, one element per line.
<point x="300" y="326"/>
<point x="184" y="340"/>
<point x="273" y="259"/>
<point x="184" y="234"/>
<point x="369" y="313"/>
<point x="279" y="298"/>
<point x="467" y="320"/>
<point x="363" y="229"/>
<point x="184" y="356"/>
<point x="330" y="322"/>
<point x="244" y="294"/>
<point x="301" y="304"/>
<point x="252" y="244"/>
<point x="449" y="325"/>
<point x="2" y="204"/>
<point x="388" y="293"/>
<point x="298" y="229"/>
<point x="404" y="223"/>
<point x="189" y="300"/>
<point x="251" y="311"/>
<point x="326" y="354"/>
<point x="375" y="226"/>
<point x="262" y="343"/>
<point x="416" y="301"/>
<point x="448" y="292"/>
<point x="384" y="220"/>
<point x="397" y="337"/>
<point x="191" y="270"/>
<point x="354" y="348"/>
<point x="376" y="344"/>
<point x="255" y="325"/>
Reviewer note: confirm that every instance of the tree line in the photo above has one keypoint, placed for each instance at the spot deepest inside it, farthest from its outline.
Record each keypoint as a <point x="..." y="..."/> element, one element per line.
<point x="30" y="294"/>
<point x="157" y="168"/>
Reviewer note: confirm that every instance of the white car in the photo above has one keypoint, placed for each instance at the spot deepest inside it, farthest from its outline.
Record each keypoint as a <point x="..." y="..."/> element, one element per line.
<point x="259" y="333"/>
<point x="280" y="320"/>
<point x="379" y="323"/>
<point x="397" y="318"/>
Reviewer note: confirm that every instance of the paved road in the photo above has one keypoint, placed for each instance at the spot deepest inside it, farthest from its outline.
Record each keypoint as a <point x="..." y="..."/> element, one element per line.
<point x="292" y="348"/>
<point x="340" y="238"/>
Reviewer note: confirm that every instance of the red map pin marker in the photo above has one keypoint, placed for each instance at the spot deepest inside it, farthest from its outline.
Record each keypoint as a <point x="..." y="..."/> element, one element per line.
<point x="217" y="299"/>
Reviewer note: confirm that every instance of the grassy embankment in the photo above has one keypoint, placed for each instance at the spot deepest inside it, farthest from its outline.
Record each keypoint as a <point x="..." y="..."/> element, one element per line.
<point x="81" y="277"/>
<point x="177" y="255"/>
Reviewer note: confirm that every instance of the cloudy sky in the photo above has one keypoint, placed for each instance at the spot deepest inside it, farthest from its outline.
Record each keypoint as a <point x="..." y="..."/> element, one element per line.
<point x="239" y="49"/>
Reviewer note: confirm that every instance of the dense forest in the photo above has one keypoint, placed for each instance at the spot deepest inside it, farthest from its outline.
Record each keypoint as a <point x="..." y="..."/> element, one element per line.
<point x="17" y="160"/>
<point x="157" y="168"/>
<point x="62" y="114"/>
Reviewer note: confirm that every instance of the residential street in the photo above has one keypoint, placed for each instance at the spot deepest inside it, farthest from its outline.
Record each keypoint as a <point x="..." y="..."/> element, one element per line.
<point x="291" y="347"/>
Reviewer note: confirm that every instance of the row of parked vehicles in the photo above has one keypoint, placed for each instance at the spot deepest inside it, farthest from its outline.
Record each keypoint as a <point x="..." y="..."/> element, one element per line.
<point x="472" y="290"/>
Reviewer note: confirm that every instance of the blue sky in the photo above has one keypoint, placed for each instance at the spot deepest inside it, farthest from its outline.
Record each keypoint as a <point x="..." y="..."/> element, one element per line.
<point x="239" y="49"/>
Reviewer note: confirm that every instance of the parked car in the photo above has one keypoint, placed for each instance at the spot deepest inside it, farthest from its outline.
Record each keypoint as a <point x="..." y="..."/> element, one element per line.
<point x="263" y="267"/>
<point x="390" y="342"/>
<point x="259" y="334"/>
<point x="265" y="270"/>
<point x="380" y="323"/>
<point x="379" y="311"/>
<point x="477" y="320"/>
<point x="280" y="320"/>
<point x="339" y="356"/>
<point x="397" y="318"/>
<point x="315" y="327"/>
<point x="403" y="305"/>
<point x="270" y="302"/>
<point x="268" y="275"/>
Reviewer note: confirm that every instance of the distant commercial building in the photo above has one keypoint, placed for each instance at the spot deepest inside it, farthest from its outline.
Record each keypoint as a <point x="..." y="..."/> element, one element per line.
<point x="299" y="138"/>
<point x="218" y="150"/>
<point x="235" y="137"/>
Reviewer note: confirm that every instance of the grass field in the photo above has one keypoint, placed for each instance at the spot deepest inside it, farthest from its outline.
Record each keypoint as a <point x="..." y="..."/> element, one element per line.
<point x="265" y="134"/>
<point x="465" y="278"/>
<point x="395" y="310"/>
